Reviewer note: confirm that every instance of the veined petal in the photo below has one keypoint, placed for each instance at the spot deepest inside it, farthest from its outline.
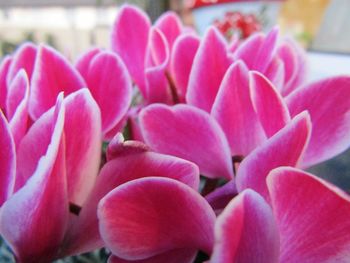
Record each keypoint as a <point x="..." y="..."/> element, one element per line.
<point x="170" y="25"/>
<point x="34" y="219"/>
<point x="4" y="68"/>
<point x="17" y="106"/>
<point x="52" y="74"/>
<point x="83" y="62"/>
<point x="284" y="148"/>
<point x="268" y="104"/>
<point x="190" y="133"/>
<point x="209" y="66"/>
<point x="131" y="44"/>
<point x="24" y="57"/>
<point x="134" y="219"/>
<point x="110" y="85"/>
<point x="129" y="165"/>
<point x="246" y="231"/>
<point x="312" y="216"/>
<point x="234" y="111"/>
<point x="173" y="256"/>
<point x="328" y="103"/>
<point x="182" y="56"/>
<point x="7" y="160"/>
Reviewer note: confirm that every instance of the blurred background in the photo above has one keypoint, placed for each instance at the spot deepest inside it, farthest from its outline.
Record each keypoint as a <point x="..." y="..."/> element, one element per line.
<point x="72" y="26"/>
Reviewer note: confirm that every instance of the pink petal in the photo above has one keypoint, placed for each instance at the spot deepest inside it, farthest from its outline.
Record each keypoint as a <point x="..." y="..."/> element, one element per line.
<point x="220" y="197"/>
<point x="209" y="67"/>
<point x="170" y="25"/>
<point x="257" y="52"/>
<point x="295" y="61"/>
<point x="111" y="87"/>
<point x="188" y="133"/>
<point x="234" y="111"/>
<point x="24" y="57"/>
<point x="7" y="160"/>
<point x="83" y="62"/>
<point x="4" y="68"/>
<point x="183" y="53"/>
<point x="276" y="73"/>
<point x="284" y="148"/>
<point x="52" y="74"/>
<point x="17" y="106"/>
<point x="268" y="103"/>
<point x="246" y="231"/>
<point x="328" y="103"/>
<point x="134" y="219"/>
<point x="173" y="256"/>
<point x="131" y="44"/>
<point x="83" y="137"/>
<point x="17" y="91"/>
<point x="157" y="85"/>
<point x="128" y="165"/>
<point x="312" y="215"/>
<point x="34" y="219"/>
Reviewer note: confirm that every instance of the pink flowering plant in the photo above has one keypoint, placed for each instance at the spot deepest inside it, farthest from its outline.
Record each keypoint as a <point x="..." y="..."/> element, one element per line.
<point x="218" y="134"/>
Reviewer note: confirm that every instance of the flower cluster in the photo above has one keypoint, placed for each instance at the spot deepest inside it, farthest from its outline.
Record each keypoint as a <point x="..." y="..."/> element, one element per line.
<point x="219" y="134"/>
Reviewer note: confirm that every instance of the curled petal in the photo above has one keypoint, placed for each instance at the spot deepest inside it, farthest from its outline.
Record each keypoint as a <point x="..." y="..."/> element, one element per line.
<point x="220" y="197"/>
<point x="233" y="109"/>
<point x="17" y="106"/>
<point x="135" y="219"/>
<point x="131" y="44"/>
<point x="284" y="148"/>
<point x="83" y="62"/>
<point x="7" y="160"/>
<point x="268" y="103"/>
<point x="328" y="103"/>
<point x="4" y="68"/>
<point x="190" y="133"/>
<point x="209" y="67"/>
<point x="24" y="58"/>
<point x="129" y="165"/>
<point x="110" y="85"/>
<point x="170" y="25"/>
<point x="34" y="219"/>
<point x="312" y="217"/>
<point x="246" y="231"/>
<point x="52" y="74"/>
<point x="183" y="53"/>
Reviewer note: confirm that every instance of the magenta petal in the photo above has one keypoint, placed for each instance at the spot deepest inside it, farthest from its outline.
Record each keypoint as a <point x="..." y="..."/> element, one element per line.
<point x="83" y="62"/>
<point x="328" y="103"/>
<point x="110" y="85"/>
<point x="268" y="103"/>
<point x="7" y="160"/>
<point x="83" y="137"/>
<point x="276" y="73"/>
<point x="285" y="148"/>
<point x="183" y="53"/>
<point x="220" y="197"/>
<point x="34" y="219"/>
<point x="189" y="133"/>
<point x="234" y="111"/>
<point x="24" y="57"/>
<point x="246" y="232"/>
<point x="312" y="216"/>
<point x="157" y="85"/>
<point x="17" y="106"/>
<point x="52" y="74"/>
<point x="173" y="256"/>
<point x="248" y="50"/>
<point x="131" y="44"/>
<point x="212" y="59"/>
<point x="170" y="25"/>
<point x="125" y="167"/>
<point x="4" y="67"/>
<point x="134" y="219"/>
